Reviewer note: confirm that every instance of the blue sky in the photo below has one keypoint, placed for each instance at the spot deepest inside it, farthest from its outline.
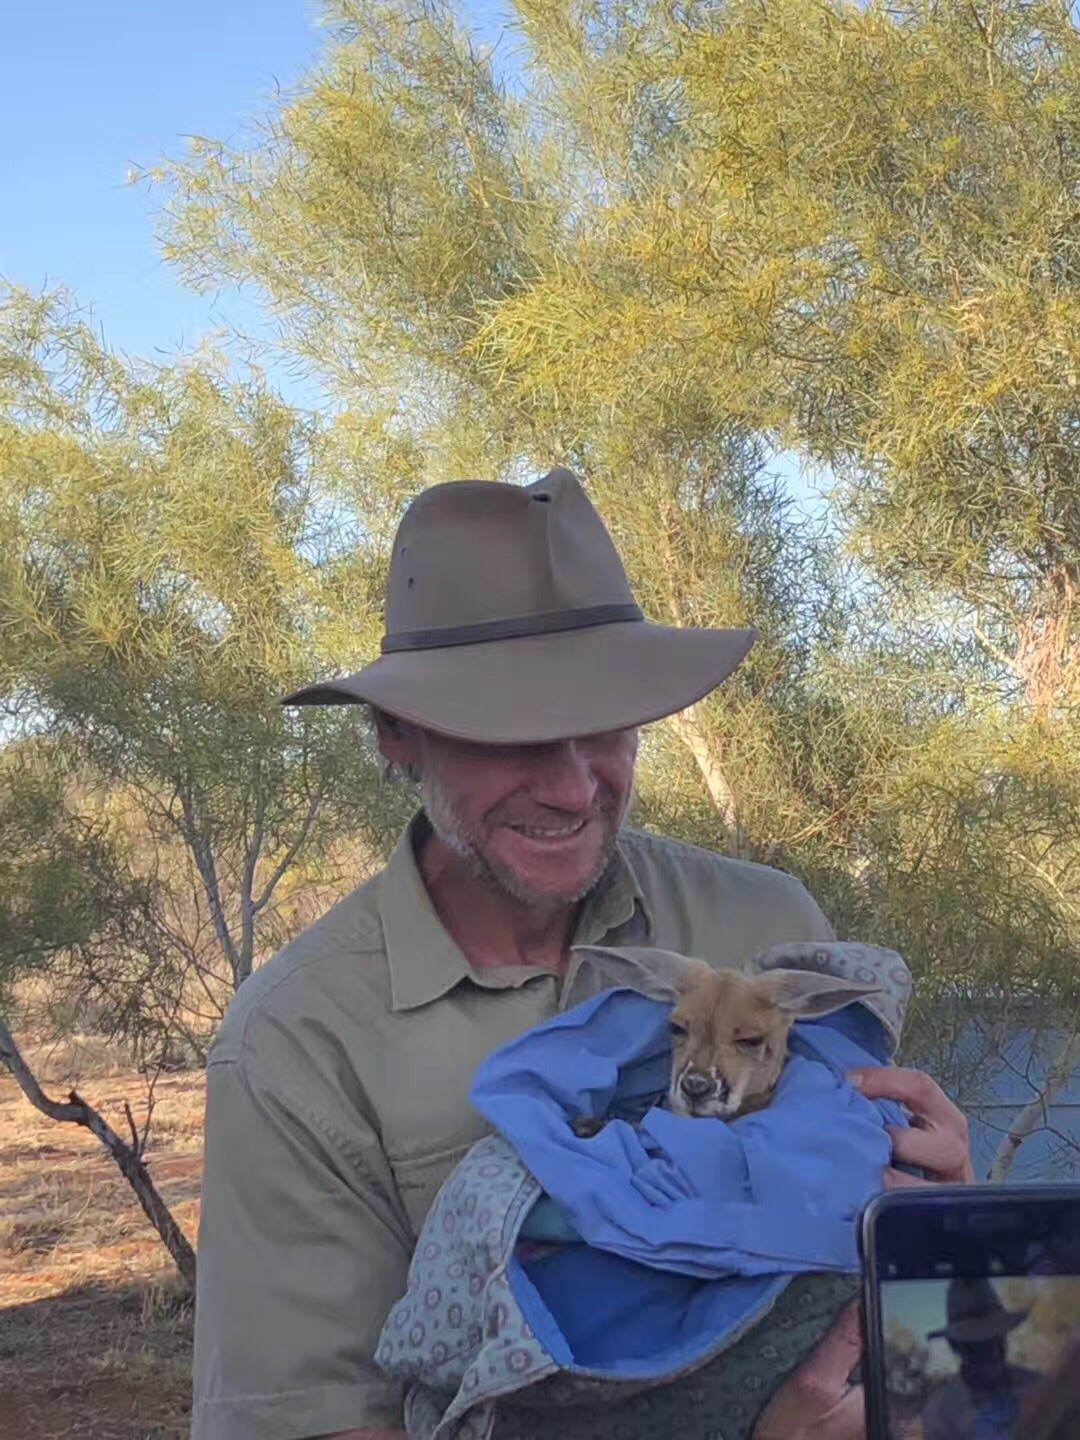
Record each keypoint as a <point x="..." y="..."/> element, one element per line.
<point x="88" y="91"/>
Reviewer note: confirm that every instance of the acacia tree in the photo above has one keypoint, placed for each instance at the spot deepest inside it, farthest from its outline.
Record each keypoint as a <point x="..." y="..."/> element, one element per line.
<point x="63" y="882"/>
<point x="167" y="576"/>
<point x="929" y="155"/>
<point x="66" y="890"/>
<point x="402" y="204"/>
<point x="171" y="567"/>
<point x="668" y="243"/>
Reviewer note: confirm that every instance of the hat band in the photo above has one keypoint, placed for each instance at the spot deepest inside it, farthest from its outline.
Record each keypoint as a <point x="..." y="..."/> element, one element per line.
<point x="511" y="629"/>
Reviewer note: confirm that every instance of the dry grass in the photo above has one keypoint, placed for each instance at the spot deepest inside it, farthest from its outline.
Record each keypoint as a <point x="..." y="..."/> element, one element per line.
<point x="95" y="1337"/>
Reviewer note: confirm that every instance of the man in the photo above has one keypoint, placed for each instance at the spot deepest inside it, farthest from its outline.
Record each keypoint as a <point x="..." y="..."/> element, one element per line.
<point x="516" y="670"/>
<point x="983" y="1401"/>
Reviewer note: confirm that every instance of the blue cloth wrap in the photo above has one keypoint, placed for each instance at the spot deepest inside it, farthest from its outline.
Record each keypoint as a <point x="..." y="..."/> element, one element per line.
<point x="657" y="1244"/>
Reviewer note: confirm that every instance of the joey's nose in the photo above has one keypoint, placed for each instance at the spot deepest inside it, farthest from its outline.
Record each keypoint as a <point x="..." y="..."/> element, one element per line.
<point x="694" y="1085"/>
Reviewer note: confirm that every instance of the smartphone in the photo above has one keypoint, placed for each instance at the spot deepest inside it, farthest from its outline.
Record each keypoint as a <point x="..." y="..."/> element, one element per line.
<point x="971" y="1313"/>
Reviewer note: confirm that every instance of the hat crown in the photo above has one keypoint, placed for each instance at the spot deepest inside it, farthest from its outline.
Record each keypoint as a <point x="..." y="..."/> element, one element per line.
<point x="510" y="621"/>
<point x="974" y="1313"/>
<point x="479" y="553"/>
<point x="971" y="1300"/>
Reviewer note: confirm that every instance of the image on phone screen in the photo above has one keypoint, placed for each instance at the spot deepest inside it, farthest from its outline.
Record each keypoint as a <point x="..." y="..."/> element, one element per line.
<point x="965" y="1356"/>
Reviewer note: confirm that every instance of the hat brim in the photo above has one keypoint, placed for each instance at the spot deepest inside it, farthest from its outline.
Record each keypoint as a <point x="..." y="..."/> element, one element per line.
<point x="980" y="1327"/>
<point x="537" y="688"/>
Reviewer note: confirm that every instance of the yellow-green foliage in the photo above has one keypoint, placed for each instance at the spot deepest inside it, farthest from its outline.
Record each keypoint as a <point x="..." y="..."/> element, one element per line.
<point x="667" y="241"/>
<point x="850" y="228"/>
<point x="665" y="245"/>
<point x="173" y="564"/>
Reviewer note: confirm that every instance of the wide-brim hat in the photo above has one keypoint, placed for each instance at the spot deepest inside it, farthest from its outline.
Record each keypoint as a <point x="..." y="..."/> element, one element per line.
<point x="509" y="620"/>
<point x="974" y="1313"/>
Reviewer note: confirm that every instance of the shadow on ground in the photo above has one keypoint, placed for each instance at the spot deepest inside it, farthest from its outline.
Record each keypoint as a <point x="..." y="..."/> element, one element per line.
<point x="97" y="1362"/>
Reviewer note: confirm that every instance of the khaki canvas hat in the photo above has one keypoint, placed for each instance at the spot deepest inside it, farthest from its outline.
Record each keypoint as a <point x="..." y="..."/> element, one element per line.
<point x="975" y="1314"/>
<point x="510" y="620"/>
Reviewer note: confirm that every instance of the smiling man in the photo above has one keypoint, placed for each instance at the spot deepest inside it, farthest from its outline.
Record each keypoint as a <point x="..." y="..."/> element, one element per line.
<point x="515" y="673"/>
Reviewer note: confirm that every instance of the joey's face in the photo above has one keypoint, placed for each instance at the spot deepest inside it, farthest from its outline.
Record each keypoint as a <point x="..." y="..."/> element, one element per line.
<point x="728" y="1046"/>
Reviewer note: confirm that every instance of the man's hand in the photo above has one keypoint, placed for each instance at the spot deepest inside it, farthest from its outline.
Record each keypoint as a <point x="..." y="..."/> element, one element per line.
<point x="937" y="1140"/>
<point x="818" y="1402"/>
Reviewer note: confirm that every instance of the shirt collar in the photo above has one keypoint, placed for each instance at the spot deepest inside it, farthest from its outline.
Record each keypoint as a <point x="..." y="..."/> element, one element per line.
<point x="424" y="960"/>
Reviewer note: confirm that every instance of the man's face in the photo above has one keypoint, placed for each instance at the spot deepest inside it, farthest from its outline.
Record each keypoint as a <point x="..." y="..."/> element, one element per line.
<point x="983" y="1364"/>
<point x="538" y="822"/>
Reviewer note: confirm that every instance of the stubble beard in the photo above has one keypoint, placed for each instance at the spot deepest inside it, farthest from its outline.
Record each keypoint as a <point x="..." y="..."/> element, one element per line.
<point x="452" y="830"/>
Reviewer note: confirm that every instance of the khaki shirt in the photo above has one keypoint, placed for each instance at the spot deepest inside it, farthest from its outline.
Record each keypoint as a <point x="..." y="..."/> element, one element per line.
<point x="337" y="1104"/>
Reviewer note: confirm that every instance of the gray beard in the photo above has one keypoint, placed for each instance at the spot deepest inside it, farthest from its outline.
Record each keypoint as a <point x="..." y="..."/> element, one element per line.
<point x="450" y="829"/>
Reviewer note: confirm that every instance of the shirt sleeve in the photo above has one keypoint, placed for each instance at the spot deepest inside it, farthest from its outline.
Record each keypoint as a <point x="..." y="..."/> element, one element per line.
<point x="302" y="1252"/>
<point x="807" y="914"/>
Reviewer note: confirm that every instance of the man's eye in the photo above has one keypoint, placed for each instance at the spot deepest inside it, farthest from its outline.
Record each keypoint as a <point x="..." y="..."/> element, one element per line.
<point x="677" y="1030"/>
<point x="750" y="1042"/>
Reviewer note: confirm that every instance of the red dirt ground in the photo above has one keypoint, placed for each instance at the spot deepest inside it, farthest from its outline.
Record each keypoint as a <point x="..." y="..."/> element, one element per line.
<point x="95" y="1332"/>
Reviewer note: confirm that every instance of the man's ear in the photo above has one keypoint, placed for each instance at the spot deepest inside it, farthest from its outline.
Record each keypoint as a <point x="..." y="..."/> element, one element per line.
<point x="397" y="740"/>
<point x="659" y="974"/>
<point x="805" y="994"/>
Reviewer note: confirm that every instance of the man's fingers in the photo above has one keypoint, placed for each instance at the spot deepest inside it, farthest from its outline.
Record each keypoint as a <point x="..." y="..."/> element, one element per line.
<point x="901" y="1180"/>
<point x="938" y="1152"/>
<point x="837" y="1355"/>
<point x="937" y="1140"/>
<point x="913" y="1088"/>
<point x="817" y="1402"/>
<point x="845" y="1421"/>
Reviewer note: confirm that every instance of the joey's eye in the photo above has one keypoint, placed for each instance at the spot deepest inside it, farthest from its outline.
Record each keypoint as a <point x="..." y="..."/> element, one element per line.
<point x="750" y="1042"/>
<point x="677" y="1030"/>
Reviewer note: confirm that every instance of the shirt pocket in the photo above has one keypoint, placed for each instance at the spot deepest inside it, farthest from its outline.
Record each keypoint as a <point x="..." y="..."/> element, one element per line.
<point x="419" y="1176"/>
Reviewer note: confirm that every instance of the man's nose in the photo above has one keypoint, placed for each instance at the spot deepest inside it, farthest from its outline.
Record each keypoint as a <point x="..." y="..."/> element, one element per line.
<point x="563" y="778"/>
<point x="695" y="1085"/>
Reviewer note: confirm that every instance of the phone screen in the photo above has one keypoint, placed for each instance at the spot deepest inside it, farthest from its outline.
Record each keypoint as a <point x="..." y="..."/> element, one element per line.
<point x="962" y="1355"/>
<point x="977" y="1307"/>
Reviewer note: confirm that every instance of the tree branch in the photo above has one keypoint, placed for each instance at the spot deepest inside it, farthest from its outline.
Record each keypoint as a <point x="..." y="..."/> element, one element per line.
<point x="290" y="854"/>
<point x="691" y="732"/>
<point x="133" y="1128"/>
<point x="247" y="885"/>
<point x="27" y="1082"/>
<point x="1035" y="1113"/>
<point x="688" y="727"/>
<point x="77" y="1112"/>
<point x="204" y="863"/>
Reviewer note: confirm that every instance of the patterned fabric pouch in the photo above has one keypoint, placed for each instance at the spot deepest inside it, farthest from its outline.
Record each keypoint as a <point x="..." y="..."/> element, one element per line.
<point x="482" y="1358"/>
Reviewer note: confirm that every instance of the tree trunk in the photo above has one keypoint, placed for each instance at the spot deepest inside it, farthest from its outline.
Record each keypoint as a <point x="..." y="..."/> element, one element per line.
<point x="1028" y="1119"/>
<point x="691" y="732"/>
<point x="127" y="1157"/>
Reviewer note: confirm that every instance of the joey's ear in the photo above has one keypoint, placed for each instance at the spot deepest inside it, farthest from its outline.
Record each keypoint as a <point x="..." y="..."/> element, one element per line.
<point x="659" y="974"/>
<point x="806" y="995"/>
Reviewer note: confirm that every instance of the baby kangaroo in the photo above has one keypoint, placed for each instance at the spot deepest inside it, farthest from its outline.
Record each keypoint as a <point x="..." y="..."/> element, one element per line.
<point x="730" y="1033"/>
